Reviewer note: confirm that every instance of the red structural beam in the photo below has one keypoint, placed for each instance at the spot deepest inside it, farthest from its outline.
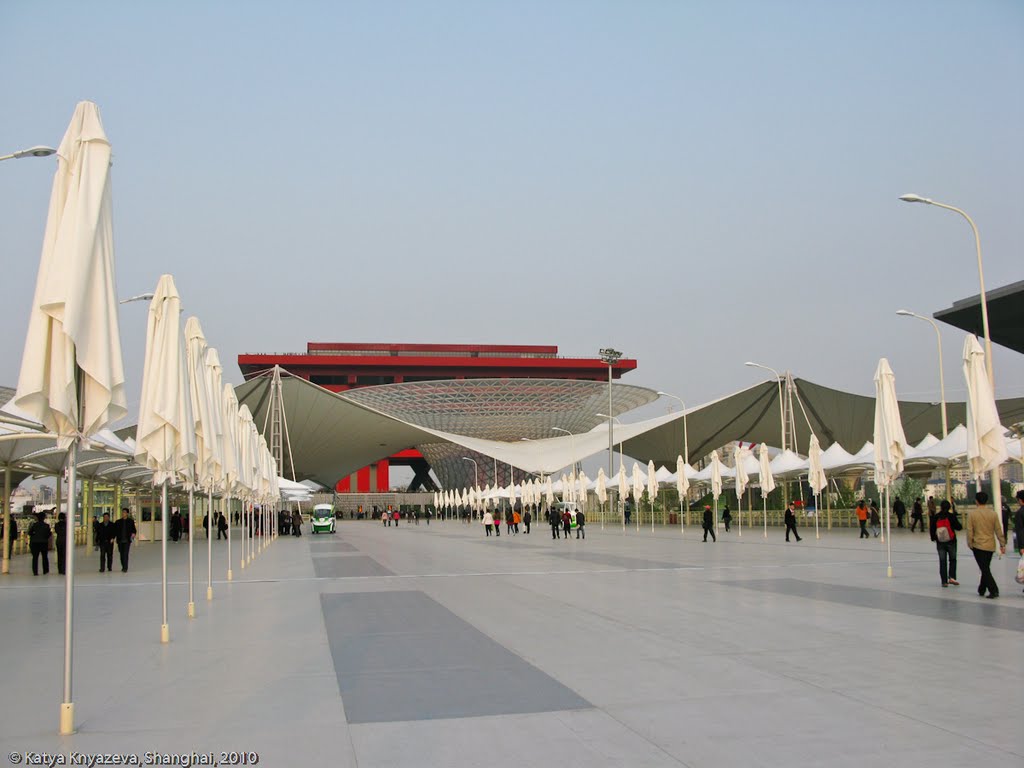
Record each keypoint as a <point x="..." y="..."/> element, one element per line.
<point x="522" y="349"/>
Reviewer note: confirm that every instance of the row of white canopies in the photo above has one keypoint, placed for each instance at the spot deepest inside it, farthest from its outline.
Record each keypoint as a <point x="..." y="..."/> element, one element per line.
<point x="748" y="468"/>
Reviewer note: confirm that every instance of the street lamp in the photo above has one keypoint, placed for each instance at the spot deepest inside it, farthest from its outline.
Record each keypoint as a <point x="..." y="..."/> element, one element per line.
<point x="686" y="438"/>
<point x="610" y="357"/>
<point x="572" y="444"/>
<point x="782" y="405"/>
<point x="38" y="151"/>
<point x="912" y="198"/>
<point x="942" y="384"/>
<point x="476" y="470"/>
<point x="621" y="462"/>
<point x="140" y="297"/>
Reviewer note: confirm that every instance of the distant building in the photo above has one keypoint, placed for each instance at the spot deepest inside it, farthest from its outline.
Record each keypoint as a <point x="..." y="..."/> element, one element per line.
<point x="346" y="366"/>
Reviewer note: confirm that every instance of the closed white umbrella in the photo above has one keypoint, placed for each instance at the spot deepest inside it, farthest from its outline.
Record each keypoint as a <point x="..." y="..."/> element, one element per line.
<point x="765" y="480"/>
<point x="600" y="488"/>
<point x="683" y="487"/>
<point x="815" y="477"/>
<point x="72" y="376"/>
<point x="230" y="454"/>
<point x="638" y="489"/>
<point x="890" y="442"/>
<point x="740" y="455"/>
<point x="165" y="436"/>
<point x="584" y="481"/>
<point x="206" y="438"/>
<point x="716" y="482"/>
<point x="986" y="442"/>
<point x="652" y="488"/>
<point x="73" y="325"/>
<point x="214" y="387"/>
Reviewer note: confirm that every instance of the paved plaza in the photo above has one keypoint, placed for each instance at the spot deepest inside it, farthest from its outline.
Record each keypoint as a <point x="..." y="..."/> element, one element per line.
<point x="435" y="646"/>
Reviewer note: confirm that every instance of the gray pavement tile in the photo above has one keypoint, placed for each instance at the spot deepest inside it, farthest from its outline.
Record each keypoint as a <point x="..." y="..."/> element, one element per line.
<point x="440" y="666"/>
<point x="984" y="613"/>
<point x="347" y="566"/>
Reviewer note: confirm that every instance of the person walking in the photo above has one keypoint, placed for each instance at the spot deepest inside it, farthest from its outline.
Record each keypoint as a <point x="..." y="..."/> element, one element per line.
<point x="566" y="523"/>
<point x="516" y="520"/>
<point x="105" y="534"/>
<point x="296" y="523"/>
<point x="862" y="518"/>
<point x="206" y="523"/>
<point x="876" y="521"/>
<point x="983" y="531"/>
<point x="581" y="521"/>
<point x="726" y="517"/>
<point x="900" y="510"/>
<point x="627" y="512"/>
<point x="709" y="524"/>
<point x="60" y="537"/>
<point x="124" y="532"/>
<point x="222" y="526"/>
<point x="175" y="525"/>
<point x="556" y="522"/>
<point x="790" y="519"/>
<point x="527" y="519"/>
<point x="488" y="522"/>
<point x="510" y="522"/>
<point x="916" y="516"/>
<point x="942" y="529"/>
<point x="39" y="543"/>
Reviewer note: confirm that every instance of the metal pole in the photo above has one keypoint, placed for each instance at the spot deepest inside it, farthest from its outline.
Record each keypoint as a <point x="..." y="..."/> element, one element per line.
<point x="7" y="520"/>
<point x="209" y="547"/>
<point x="997" y="491"/>
<point x="227" y="509"/>
<point x="165" y="631"/>
<point x="67" y="707"/>
<point x="191" y="535"/>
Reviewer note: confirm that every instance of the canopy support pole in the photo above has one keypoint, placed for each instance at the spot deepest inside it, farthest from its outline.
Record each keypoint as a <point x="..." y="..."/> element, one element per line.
<point x="165" y="630"/>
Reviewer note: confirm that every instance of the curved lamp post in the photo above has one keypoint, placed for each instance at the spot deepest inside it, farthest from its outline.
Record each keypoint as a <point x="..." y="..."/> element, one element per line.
<point x="37" y="151"/>
<point x="942" y="382"/>
<point x="997" y="493"/>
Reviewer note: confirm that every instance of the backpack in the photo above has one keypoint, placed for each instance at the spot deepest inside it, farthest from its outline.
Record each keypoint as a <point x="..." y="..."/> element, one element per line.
<point x="943" y="531"/>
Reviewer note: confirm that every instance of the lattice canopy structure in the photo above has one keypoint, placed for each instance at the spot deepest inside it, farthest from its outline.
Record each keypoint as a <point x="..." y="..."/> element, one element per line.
<point x="496" y="409"/>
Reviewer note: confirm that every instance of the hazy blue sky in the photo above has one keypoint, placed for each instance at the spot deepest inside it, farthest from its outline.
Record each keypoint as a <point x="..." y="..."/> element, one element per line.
<point x="695" y="183"/>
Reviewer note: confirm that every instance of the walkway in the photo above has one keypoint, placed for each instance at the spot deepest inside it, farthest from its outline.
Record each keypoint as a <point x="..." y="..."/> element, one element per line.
<point x="435" y="646"/>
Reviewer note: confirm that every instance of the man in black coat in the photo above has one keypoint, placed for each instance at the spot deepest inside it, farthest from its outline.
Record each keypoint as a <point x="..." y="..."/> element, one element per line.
<point x="791" y="522"/>
<point x="581" y="520"/>
<point x="39" y="543"/>
<point x="709" y="524"/>
<point x="105" y="541"/>
<point x="556" y="523"/>
<point x="124" y="532"/>
<point x="900" y="510"/>
<point x="60" y="536"/>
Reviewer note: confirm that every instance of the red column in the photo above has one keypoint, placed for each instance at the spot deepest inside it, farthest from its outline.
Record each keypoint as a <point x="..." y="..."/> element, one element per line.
<point x="363" y="480"/>
<point x="383" y="479"/>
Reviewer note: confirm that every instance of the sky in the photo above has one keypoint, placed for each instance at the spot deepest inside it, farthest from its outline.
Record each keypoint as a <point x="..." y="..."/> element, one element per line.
<point x="696" y="184"/>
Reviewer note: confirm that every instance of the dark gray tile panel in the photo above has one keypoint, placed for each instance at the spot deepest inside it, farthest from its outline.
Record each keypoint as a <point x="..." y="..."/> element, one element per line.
<point x="347" y="566"/>
<point x="330" y="545"/>
<point x="404" y="656"/>
<point x="984" y="613"/>
<point x="615" y="561"/>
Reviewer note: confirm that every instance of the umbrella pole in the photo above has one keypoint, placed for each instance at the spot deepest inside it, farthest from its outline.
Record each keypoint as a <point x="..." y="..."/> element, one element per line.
<point x="242" y="518"/>
<point x="739" y="513"/>
<point x="888" y="530"/>
<point x="209" y="546"/>
<point x="165" y="631"/>
<point x="7" y="520"/>
<point x="191" y="569"/>
<point x="67" y="707"/>
<point x="817" y="506"/>
<point x="764" y="498"/>
<point x="227" y="511"/>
